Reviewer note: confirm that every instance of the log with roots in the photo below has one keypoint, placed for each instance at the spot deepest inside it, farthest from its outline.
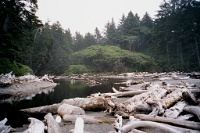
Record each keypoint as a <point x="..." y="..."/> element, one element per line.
<point x="194" y="110"/>
<point x="52" y="125"/>
<point x="128" y="107"/>
<point x="172" y="121"/>
<point x="36" y="126"/>
<point x="88" y="119"/>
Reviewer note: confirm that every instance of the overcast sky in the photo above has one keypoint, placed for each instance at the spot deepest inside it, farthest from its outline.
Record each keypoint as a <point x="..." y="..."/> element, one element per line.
<point x="85" y="15"/>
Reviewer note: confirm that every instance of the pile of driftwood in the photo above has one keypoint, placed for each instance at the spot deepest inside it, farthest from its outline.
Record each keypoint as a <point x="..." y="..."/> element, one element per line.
<point x="151" y="107"/>
<point x="9" y="79"/>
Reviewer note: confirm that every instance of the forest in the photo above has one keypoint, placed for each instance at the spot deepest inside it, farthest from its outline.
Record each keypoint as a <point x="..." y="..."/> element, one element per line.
<point x="168" y="42"/>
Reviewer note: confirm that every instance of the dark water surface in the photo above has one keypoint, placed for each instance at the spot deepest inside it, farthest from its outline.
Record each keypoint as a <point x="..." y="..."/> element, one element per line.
<point x="65" y="89"/>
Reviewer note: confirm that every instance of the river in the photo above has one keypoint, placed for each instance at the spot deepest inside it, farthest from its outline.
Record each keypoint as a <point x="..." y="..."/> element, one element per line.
<point x="64" y="90"/>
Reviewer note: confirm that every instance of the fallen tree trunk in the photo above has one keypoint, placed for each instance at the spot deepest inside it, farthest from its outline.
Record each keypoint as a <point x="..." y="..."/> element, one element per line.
<point x="140" y="124"/>
<point x="128" y="107"/>
<point x="175" y="110"/>
<point x="53" y="126"/>
<point x="36" y="126"/>
<point x="176" y="122"/>
<point x="88" y="119"/>
<point x="92" y="103"/>
<point x="43" y="109"/>
<point x="193" y="109"/>
<point x="124" y="94"/>
<point x="166" y="102"/>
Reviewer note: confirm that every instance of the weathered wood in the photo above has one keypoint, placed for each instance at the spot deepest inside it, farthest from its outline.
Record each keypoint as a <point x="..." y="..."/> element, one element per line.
<point x="88" y="119"/>
<point x="139" y="124"/>
<point x="69" y="110"/>
<point x="79" y="125"/>
<point x="36" y="126"/>
<point x="194" y="110"/>
<point x="43" y="109"/>
<point x="123" y="94"/>
<point x="166" y="102"/>
<point x="7" y="79"/>
<point x="91" y="103"/>
<point x="189" y="96"/>
<point x="128" y="107"/>
<point x="175" y="110"/>
<point x="52" y="125"/>
<point x="176" y="122"/>
<point x="4" y="128"/>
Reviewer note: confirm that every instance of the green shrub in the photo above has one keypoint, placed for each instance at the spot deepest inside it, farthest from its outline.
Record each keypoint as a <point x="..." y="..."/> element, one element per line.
<point x="18" y="69"/>
<point x="76" y="69"/>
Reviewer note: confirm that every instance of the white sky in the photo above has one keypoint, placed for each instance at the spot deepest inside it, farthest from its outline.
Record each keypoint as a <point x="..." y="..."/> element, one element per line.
<point x="85" y="15"/>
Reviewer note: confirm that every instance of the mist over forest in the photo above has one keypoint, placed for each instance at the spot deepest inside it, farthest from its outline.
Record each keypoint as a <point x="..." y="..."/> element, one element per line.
<point x="168" y="42"/>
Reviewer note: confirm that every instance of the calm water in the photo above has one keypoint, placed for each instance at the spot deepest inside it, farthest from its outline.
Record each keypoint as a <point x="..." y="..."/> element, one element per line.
<point x="64" y="89"/>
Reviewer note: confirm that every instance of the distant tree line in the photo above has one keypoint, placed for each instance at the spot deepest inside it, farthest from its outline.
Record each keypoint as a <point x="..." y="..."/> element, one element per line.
<point x="172" y="39"/>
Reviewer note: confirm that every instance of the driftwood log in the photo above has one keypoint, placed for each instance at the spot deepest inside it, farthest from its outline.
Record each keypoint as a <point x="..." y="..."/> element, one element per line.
<point x="128" y="107"/>
<point x="92" y="103"/>
<point x="176" y="122"/>
<point x="36" y="126"/>
<point x="79" y="125"/>
<point x="88" y="119"/>
<point x="43" y="109"/>
<point x="64" y="109"/>
<point x="175" y="110"/>
<point x="4" y="128"/>
<point x="194" y="110"/>
<point x="52" y="125"/>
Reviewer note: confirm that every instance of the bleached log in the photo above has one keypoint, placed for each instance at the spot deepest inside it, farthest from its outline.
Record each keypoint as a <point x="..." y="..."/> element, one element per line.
<point x="64" y="109"/>
<point x="88" y="119"/>
<point x="176" y="122"/>
<point x="92" y="103"/>
<point x="36" y="126"/>
<point x="175" y="110"/>
<point x="7" y="79"/>
<point x="139" y="124"/>
<point x="123" y="94"/>
<point x="4" y="128"/>
<point x="79" y="125"/>
<point x="52" y="125"/>
<point x="166" y="102"/>
<point x="194" y="110"/>
<point x="185" y="117"/>
<point x="43" y="109"/>
<point x="128" y="107"/>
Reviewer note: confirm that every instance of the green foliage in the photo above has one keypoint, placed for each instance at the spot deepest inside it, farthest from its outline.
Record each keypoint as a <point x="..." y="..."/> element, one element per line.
<point x="76" y="69"/>
<point x="17" y="68"/>
<point x="112" y="58"/>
